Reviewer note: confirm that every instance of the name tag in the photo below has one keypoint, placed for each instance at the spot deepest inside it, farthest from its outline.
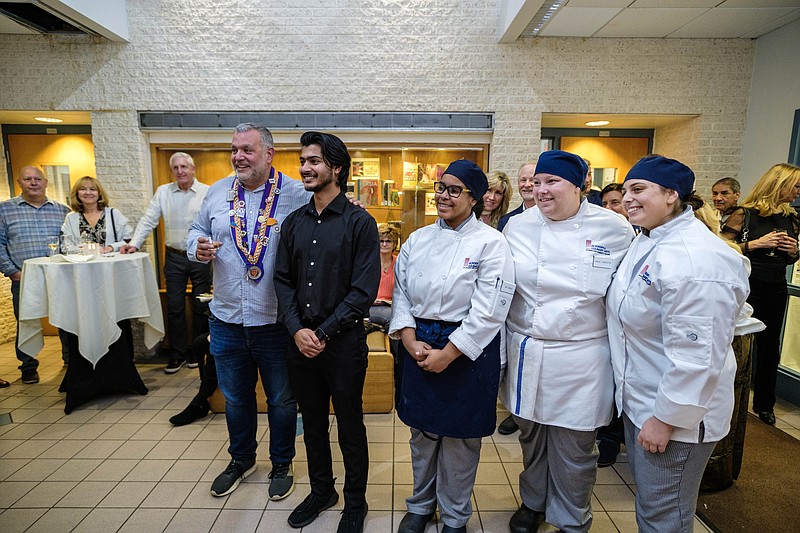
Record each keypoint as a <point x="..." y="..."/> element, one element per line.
<point x="602" y="261"/>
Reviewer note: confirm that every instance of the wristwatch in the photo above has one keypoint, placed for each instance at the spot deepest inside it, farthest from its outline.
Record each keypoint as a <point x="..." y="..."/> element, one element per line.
<point x="321" y="335"/>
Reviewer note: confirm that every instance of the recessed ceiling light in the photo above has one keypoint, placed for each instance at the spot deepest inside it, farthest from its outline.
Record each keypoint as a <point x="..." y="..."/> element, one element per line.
<point x="597" y="123"/>
<point x="48" y="119"/>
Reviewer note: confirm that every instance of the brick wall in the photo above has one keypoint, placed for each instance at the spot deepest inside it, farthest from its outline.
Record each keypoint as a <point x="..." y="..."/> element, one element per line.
<point x="373" y="55"/>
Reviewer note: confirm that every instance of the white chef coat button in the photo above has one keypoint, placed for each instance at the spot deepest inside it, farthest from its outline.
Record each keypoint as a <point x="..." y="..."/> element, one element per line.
<point x="572" y="267"/>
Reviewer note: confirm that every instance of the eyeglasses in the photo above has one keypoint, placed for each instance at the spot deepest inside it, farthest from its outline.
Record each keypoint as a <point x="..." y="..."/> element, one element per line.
<point x="385" y="241"/>
<point x="453" y="191"/>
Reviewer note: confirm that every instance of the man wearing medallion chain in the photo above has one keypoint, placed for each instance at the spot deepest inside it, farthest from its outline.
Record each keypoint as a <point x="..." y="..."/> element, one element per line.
<point x="326" y="277"/>
<point x="237" y="229"/>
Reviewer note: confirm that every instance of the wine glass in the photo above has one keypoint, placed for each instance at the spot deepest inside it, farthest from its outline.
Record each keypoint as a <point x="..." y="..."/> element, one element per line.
<point x="52" y="243"/>
<point x="771" y="253"/>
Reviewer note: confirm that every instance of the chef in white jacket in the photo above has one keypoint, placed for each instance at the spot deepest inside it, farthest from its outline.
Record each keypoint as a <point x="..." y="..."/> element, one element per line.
<point x="453" y="287"/>
<point x="558" y="383"/>
<point x="671" y="310"/>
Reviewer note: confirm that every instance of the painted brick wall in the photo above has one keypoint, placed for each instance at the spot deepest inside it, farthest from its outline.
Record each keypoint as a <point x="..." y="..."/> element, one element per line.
<point x="373" y="55"/>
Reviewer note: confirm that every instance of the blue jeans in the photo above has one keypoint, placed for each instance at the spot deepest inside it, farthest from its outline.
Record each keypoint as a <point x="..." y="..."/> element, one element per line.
<point x="240" y="354"/>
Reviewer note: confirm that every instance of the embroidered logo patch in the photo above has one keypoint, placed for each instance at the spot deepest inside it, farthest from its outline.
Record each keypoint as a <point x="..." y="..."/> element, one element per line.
<point x="597" y="248"/>
<point x="472" y="265"/>
<point x="645" y="275"/>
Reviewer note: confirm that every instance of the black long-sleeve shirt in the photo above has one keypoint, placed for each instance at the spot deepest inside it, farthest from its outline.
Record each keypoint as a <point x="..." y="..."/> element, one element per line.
<point x="328" y="267"/>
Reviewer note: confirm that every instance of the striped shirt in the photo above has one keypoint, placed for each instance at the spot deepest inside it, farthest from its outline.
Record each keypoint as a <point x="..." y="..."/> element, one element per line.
<point x="25" y="229"/>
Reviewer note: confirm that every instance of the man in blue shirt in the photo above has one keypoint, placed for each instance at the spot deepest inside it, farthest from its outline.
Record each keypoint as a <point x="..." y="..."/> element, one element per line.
<point x="26" y="223"/>
<point x="238" y="229"/>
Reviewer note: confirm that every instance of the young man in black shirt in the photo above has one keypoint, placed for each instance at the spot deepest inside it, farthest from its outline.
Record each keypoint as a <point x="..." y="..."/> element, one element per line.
<point x="326" y="277"/>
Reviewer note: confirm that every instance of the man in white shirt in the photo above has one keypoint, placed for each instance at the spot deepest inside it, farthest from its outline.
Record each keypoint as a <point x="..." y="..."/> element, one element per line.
<point x="178" y="204"/>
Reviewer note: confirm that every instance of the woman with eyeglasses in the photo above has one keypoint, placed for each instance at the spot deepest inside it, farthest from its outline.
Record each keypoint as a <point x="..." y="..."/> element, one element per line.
<point x="454" y="283"/>
<point x="381" y="311"/>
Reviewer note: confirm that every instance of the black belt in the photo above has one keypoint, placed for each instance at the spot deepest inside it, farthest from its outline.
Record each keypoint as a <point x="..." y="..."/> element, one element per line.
<point x="429" y="322"/>
<point x="175" y="250"/>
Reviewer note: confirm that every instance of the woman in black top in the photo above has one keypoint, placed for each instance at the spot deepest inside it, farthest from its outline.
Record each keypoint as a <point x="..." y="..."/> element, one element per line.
<point x="766" y="227"/>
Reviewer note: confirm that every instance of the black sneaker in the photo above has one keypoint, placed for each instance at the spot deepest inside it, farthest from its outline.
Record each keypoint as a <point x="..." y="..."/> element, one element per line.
<point x="352" y="520"/>
<point x="174" y="365"/>
<point x="309" y="509"/>
<point x="190" y="414"/>
<point x="227" y="481"/>
<point x="281" y="481"/>
<point x="29" y="377"/>
<point x="507" y="426"/>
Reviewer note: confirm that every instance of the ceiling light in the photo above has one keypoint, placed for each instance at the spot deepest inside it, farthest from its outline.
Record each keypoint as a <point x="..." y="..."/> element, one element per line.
<point x="48" y="119"/>
<point x="596" y="123"/>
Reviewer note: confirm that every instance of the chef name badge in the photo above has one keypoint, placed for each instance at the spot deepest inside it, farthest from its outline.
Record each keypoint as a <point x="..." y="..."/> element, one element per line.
<point x="602" y="261"/>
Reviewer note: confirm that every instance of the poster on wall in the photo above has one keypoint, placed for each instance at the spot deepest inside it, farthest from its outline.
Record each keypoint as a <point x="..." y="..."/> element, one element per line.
<point x="368" y="191"/>
<point x="365" y="168"/>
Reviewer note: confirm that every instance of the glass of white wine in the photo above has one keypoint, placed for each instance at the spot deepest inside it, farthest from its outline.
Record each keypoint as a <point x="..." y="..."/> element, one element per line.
<point x="52" y="243"/>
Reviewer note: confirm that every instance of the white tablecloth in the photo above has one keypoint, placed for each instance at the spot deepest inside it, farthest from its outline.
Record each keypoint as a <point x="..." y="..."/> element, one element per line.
<point x="88" y="299"/>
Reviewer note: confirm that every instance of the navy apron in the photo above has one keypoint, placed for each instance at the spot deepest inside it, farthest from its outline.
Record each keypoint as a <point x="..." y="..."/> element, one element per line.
<point x="459" y="402"/>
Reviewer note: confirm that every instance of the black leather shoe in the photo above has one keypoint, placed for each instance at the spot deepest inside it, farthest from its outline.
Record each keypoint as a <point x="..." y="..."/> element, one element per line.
<point x="507" y="426"/>
<point x="448" y="529"/>
<point x="190" y="414"/>
<point x="414" y="523"/>
<point x="768" y="417"/>
<point x="525" y="520"/>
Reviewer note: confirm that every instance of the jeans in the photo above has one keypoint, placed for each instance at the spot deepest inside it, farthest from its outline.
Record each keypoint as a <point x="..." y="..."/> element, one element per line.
<point x="240" y="354"/>
<point x="26" y="361"/>
<point x="177" y="272"/>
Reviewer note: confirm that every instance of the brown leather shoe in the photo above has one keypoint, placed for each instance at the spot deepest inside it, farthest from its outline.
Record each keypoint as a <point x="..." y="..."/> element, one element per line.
<point x="4" y="384"/>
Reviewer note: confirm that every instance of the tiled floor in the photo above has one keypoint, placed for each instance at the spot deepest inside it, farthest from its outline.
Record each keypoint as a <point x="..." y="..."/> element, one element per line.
<point x="117" y="464"/>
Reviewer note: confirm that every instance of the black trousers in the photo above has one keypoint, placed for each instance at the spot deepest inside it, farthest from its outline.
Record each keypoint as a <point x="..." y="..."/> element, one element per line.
<point x="207" y="368"/>
<point x="178" y="270"/>
<point x="336" y="374"/>
<point x="769" y="300"/>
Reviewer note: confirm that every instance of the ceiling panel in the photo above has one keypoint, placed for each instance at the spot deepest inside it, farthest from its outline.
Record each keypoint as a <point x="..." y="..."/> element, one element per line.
<point x="730" y="23"/>
<point x="578" y="21"/>
<point x="655" y="22"/>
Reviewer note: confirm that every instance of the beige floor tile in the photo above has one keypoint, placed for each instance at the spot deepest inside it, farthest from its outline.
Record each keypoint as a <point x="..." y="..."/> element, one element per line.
<point x="19" y="520"/>
<point x="128" y="494"/>
<point x="59" y="520"/>
<point x="12" y="491"/>
<point x="30" y="449"/>
<point x="37" y="470"/>
<point x="133" y="449"/>
<point x="44" y="494"/>
<point x="239" y="520"/>
<point x="8" y="467"/>
<point x="202" y="450"/>
<point x="103" y="520"/>
<point x="495" y="498"/>
<point x="87" y="494"/>
<point x="615" y="497"/>
<point x="75" y="469"/>
<point x="169" y="494"/>
<point x="249" y="496"/>
<point x="145" y="520"/>
<point x="112" y="470"/>
<point x="187" y="470"/>
<point x="194" y="520"/>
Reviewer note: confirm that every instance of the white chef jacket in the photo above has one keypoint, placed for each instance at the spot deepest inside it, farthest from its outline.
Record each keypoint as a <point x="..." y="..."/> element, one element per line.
<point x="464" y="275"/>
<point x="559" y="370"/>
<point x="671" y="313"/>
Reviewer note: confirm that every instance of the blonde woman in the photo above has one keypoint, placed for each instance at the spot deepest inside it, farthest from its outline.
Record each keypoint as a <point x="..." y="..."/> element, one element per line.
<point x="497" y="198"/>
<point x="92" y="218"/>
<point x="766" y="228"/>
